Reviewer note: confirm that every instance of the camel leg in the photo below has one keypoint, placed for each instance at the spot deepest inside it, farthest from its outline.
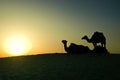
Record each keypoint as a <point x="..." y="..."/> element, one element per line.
<point x="102" y="44"/>
<point x="105" y="45"/>
<point x="94" y="44"/>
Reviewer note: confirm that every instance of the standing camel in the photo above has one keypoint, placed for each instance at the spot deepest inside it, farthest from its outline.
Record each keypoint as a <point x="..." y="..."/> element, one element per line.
<point x="97" y="37"/>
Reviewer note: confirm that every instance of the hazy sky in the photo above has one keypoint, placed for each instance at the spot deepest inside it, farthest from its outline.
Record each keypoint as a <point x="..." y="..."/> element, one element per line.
<point x="46" y="22"/>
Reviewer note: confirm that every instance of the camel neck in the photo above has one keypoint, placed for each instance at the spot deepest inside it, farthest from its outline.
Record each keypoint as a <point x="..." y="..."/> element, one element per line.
<point x="88" y="39"/>
<point x="65" y="46"/>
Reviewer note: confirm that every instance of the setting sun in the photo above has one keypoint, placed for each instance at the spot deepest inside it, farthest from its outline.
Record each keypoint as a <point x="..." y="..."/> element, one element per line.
<point x="17" y="45"/>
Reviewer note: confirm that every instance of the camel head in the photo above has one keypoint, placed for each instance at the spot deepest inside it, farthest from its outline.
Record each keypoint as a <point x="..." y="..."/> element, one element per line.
<point x="64" y="41"/>
<point x="65" y="45"/>
<point x="84" y="37"/>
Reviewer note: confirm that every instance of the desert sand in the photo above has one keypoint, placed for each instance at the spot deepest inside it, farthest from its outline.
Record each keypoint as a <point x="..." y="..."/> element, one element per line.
<point x="61" y="67"/>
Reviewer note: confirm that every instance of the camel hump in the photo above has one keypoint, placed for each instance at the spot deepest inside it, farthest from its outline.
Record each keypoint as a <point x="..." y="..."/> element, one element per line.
<point x="97" y="36"/>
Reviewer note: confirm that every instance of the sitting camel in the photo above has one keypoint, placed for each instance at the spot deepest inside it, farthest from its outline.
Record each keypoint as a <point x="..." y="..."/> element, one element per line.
<point x="74" y="48"/>
<point x="97" y="37"/>
<point x="98" y="50"/>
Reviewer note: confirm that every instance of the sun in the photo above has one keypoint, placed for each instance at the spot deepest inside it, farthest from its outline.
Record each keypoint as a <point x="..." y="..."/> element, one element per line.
<point x="17" y="45"/>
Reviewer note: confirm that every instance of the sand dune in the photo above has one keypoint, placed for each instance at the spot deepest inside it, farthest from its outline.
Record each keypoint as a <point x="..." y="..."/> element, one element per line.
<point x="60" y="67"/>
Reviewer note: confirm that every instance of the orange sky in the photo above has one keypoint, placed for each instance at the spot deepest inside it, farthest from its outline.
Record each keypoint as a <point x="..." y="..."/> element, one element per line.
<point x="45" y="23"/>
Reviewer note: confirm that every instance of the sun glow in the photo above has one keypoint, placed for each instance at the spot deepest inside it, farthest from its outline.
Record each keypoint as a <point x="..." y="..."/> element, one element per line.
<point x="17" y="45"/>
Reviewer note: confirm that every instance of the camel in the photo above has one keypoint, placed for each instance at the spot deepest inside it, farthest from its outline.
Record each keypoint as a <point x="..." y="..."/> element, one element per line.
<point x="74" y="48"/>
<point x="98" y="50"/>
<point x="97" y="37"/>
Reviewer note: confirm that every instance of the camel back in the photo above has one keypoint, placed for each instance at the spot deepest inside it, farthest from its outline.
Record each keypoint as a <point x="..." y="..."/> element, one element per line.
<point x="98" y="37"/>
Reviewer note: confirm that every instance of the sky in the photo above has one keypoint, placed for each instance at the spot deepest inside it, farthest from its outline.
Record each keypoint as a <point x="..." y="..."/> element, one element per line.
<point x="46" y="22"/>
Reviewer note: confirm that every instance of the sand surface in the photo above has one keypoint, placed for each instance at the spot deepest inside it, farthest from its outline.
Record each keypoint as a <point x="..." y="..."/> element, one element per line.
<point x="60" y="67"/>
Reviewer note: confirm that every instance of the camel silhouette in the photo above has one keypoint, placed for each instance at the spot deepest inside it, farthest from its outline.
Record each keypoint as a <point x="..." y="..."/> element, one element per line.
<point x="97" y="37"/>
<point x="74" y="48"/>
<point x="99" y="50"/>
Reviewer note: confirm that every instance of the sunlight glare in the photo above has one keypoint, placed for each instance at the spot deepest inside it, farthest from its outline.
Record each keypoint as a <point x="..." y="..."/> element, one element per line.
<point x="17" y="45"/>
